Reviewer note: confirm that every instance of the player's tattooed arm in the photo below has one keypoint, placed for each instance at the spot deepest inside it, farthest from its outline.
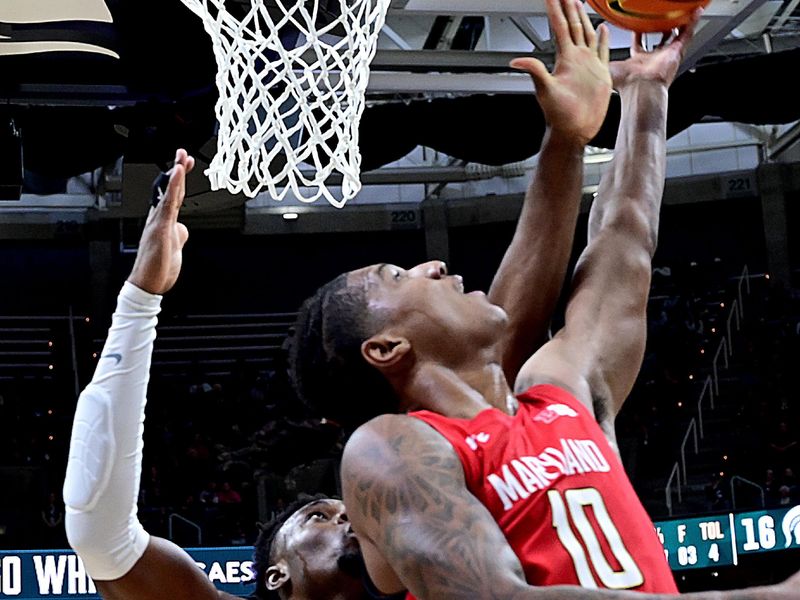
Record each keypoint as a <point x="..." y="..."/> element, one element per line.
<point x="405" y="493"/>
<point x="420" y="527"/>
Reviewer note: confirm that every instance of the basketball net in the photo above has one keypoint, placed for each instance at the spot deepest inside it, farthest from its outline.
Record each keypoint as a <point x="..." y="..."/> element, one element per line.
<point x="292" y="79"/>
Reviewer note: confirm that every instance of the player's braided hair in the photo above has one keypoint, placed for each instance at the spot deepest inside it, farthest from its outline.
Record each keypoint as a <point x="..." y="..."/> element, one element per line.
<point x="262" y="553"/>
<point x="327" y="368"/>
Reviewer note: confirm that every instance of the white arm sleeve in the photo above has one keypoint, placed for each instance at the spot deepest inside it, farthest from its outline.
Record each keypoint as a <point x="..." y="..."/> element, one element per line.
<point x="101" y="487"/>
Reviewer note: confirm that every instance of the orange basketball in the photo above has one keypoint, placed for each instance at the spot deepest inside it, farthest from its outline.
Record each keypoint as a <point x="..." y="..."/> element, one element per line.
<point x="647" y="16"/>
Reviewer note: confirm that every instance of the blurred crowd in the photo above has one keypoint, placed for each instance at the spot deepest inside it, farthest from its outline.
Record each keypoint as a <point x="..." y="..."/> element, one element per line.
<point x="748" y="454"/>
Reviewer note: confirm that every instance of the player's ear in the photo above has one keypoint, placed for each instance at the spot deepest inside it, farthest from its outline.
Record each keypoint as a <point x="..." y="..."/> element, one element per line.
<point x="277" y="575"/>
<point x="386" y="351"/>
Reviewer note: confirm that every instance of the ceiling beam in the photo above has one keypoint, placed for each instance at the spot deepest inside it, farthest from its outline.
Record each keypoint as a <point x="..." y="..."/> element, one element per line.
<point x="454" y="83"/>
<point x="785" y="142"/>
<point x="715" y="26"/>
<point x="475" y="7"/>
<point x="531" y="34"/>
<point x="786" y="13"/>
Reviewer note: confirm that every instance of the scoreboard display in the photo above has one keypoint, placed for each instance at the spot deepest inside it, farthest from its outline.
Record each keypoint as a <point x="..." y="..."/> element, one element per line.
<point x="720" y="540"/>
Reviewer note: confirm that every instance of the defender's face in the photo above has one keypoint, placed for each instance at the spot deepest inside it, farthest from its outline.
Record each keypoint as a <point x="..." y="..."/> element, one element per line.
<point x="318" y="541"/>
<point x="425" y="303"/>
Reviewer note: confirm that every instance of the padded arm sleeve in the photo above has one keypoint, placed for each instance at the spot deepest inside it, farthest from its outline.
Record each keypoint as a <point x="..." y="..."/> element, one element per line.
<point x="101" y="487"/>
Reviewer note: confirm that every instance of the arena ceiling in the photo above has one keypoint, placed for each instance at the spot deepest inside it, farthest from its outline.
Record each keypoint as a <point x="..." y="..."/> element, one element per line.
<point x="90" y="83"/>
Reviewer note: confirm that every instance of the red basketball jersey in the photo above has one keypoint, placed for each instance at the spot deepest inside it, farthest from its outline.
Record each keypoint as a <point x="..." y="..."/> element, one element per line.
<point x="556" y="487"/>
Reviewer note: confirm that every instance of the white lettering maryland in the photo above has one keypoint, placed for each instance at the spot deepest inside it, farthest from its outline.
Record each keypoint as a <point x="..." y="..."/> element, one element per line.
<point x="525" y="475"/>
<point x="580" y="455"/>
<point x="11" y="576"/>
<point x="572" y="464"/>
<point x="52" y="572"/>
<point x="553" y="459"/>
<point x="536" y="471"/>
<point x="599" y="462"/>
<point x="507" y="487"/>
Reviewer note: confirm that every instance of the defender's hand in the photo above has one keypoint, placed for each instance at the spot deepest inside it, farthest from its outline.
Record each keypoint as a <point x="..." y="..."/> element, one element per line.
<point x="575" y="97"/>
<point x="661" y="64"/>
<point x="158" y="261"/>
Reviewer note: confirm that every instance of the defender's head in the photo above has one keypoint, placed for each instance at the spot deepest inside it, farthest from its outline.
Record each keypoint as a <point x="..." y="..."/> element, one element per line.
<point x="309" y="551"/>
<point x="375" y="325"/>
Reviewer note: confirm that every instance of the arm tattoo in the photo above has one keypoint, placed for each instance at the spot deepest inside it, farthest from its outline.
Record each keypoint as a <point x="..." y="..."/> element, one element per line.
<point x="439" y="539"/>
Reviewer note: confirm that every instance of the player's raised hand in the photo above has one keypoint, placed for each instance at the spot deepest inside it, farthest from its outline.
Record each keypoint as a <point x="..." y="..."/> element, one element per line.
<point x="662" y="63"/>
<point x="158" y="261"/>
<point x="575" y="97"/>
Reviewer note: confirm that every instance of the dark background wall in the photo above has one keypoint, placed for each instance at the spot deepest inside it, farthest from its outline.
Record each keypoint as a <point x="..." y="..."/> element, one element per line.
<point x="225" y="271"/>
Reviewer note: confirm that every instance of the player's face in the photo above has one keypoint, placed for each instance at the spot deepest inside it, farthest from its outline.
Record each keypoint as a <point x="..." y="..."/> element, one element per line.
<point x="428" y="304"/>
<point x="319" y="545"/>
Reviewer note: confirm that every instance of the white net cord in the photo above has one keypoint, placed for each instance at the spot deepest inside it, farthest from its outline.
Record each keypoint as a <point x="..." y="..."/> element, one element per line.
<point x="292" y="80"/>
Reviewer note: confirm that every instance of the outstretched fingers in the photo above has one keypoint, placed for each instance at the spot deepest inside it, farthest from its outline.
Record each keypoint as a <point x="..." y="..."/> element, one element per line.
<point x="170" y="204"/>
<point x="637" y="46"/>
<point x="571" y="25"/>
<point x="535" y="68"/>
<point x="589" y="35"/>
<point x="686" y="33"/>
<point x="176" y="190"/>
<point x="679" y="38"/>
<point x="603" y="50"/>
<point x="158" y="261"/>
<point x="574" y="13"/>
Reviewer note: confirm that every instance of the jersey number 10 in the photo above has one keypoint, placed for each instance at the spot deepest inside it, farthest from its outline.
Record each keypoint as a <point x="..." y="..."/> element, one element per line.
<point x="572" y="507"/>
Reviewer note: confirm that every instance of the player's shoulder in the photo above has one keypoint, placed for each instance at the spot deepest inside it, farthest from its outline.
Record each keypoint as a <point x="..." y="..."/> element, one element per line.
<point x="390" y="440"/>
<point x="392" y="426"/>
